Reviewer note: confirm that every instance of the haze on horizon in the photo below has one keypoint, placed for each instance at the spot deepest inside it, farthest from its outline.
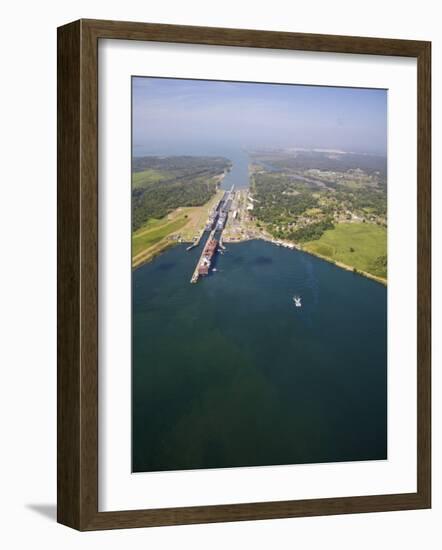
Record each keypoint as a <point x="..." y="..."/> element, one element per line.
<point x="180" y="114"/>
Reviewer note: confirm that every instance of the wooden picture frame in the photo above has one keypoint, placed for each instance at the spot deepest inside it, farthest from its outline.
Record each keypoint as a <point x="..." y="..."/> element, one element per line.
<point x="78" y="274"/>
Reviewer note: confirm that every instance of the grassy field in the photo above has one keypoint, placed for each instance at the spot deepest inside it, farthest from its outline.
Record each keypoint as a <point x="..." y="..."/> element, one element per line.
<point x="359" y="245"/>
<point x="154" y="236"/>
<point x="141" y="179"/>
<point x="198" y="217"/>
<point x="156" y="230"/>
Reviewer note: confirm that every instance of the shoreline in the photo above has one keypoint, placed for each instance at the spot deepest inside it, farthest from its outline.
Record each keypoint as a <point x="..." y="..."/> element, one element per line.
<point x="151" y="253"/>
<point x="169" y="241"/>
<point x="177" y="237"/>
<point x="294" y="246"/>
<point x="350" y="268"/>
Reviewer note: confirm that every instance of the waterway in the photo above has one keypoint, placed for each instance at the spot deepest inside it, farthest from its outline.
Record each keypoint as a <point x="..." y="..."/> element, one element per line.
<point x="239" y="173"/>
<point x="228" y="373"/>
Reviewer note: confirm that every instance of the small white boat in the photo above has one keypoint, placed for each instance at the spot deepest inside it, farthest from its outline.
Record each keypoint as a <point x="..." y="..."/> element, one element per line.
<point x="297" y="301"/>
<point x="214" y="269"/>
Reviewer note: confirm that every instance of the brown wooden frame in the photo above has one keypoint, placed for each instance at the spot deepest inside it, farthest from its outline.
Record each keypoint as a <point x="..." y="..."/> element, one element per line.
<point x="77" y="461"/>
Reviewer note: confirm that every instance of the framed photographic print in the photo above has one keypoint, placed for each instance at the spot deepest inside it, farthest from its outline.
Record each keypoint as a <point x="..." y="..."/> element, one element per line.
<point x="243" y="274"/>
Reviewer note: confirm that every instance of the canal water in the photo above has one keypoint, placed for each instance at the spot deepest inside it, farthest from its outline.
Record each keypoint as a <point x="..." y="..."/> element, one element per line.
<point x="228" y="373"/>
<point x="239" y="174"/>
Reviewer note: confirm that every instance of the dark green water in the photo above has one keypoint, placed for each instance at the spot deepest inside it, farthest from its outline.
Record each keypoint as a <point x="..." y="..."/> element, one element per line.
<point x="228" y="372"/>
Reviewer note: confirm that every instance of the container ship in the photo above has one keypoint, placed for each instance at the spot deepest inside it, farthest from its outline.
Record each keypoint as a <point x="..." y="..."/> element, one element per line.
<point x="206" y="260"/>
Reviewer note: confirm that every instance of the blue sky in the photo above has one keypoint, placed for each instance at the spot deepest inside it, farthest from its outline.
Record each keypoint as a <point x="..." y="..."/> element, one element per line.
<point x="173" y="113"/>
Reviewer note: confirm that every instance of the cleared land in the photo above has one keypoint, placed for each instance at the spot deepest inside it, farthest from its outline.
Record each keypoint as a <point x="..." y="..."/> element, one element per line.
<point x="197" y="216"/>
<point x="154" y="231"/>
<point x="163" y="184"/>
<point x="358" y="245"/>
<point x="183" y="224"/>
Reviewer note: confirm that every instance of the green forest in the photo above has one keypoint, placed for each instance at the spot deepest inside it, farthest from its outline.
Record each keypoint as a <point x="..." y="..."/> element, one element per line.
<point x="372" y="198"/>
<point x="333" y="205"/>
<point x="301" y="205"/>
<point x="279" y="198"/>
<point x="162" y="184"/>
<point x="310" y="232"/>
